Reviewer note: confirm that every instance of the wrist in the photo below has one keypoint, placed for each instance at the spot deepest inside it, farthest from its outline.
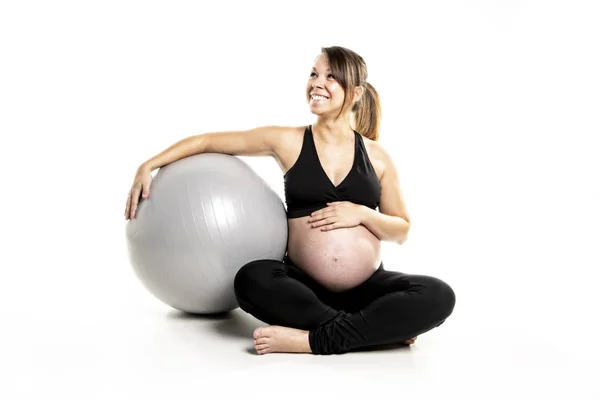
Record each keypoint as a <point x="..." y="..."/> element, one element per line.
<point x="365" y="213"/>
<point x="146" y="166"/>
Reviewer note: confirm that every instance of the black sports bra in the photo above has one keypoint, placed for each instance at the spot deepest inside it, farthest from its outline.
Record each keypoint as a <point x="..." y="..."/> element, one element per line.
<point x="308" y="188"/>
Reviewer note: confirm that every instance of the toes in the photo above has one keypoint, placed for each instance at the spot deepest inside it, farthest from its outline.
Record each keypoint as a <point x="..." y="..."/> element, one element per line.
<point x="262" y="340"/>
<point x="262" y="349"/>
<point x="410" y="341"/>
<point x="263" y="332"/>
<point x="257" y="333"/>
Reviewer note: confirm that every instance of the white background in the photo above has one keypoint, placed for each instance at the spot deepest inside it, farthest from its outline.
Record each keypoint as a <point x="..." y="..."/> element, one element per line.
<point x="490" y="111"/>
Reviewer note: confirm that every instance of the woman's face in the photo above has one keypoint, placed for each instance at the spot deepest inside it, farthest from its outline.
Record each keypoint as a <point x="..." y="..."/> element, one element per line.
<point x="324" y="94"/>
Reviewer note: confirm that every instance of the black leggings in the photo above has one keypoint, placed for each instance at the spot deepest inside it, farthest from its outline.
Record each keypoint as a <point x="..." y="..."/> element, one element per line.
<point x="388" y="308"/>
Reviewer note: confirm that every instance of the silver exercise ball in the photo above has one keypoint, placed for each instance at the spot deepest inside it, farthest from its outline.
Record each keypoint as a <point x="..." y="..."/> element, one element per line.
<point x="207" y="216"/>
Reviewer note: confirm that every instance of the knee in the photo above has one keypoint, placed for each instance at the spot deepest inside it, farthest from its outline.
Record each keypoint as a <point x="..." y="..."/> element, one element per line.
<point x="442" y="295"/>
<point x="244" y="277"/>
<point x="252" y="276"/>
<point x="445" y="297"/>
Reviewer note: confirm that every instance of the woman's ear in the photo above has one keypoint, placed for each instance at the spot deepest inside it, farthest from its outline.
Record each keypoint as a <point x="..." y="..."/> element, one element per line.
<point x="358" y="92"/>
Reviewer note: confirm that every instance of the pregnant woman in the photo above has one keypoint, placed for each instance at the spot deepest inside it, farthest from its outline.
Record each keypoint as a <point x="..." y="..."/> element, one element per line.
<point x="331" y="294"/>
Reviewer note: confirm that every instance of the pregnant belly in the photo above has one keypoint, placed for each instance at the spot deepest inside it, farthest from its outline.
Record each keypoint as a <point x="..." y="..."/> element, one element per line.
<point x="339" y="259"/>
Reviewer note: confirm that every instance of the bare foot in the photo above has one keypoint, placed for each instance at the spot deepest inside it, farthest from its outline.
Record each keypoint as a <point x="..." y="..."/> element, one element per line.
<point x="280" y="339"/>
<point x="410" y="341"/>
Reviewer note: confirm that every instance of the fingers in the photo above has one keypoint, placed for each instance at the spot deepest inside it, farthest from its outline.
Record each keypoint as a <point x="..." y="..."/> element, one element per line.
<point x="331" y="226"/>
<point x="128" y="206"/>
<point x="321" y="216"/>
<point x="135" y="197"/>
<point x="141" y="185"/>
<point x="132" y="202"/>
<point x="318" y="223"/>
<point x="144" y="191"/>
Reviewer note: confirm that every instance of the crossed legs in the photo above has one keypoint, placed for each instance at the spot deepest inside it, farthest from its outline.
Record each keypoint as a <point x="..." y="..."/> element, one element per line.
<point x="388" y="308"/>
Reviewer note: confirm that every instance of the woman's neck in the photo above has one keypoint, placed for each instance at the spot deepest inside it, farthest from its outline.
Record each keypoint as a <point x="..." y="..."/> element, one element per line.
<point x="333" y="131"/>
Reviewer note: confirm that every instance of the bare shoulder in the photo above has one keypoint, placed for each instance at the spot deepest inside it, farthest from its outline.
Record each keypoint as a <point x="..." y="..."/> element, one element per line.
<point x="289" y="145"/>
<point x="289" y="135"/>
<point x="288" y="138"/>
<point x="378" y="156"/>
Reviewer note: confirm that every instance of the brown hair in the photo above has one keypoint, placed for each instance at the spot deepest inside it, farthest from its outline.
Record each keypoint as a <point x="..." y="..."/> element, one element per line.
<point x="350" y="70"/>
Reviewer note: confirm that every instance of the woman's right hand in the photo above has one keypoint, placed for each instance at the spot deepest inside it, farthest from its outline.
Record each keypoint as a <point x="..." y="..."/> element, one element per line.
<point x="141" y="185"/>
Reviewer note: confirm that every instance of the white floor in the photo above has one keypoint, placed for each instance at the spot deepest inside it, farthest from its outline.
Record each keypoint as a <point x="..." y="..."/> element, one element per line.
<point x="105" y="337"/>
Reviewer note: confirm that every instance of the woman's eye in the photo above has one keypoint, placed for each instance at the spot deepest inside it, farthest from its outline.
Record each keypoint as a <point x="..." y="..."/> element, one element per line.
<point x="330" y="75"/>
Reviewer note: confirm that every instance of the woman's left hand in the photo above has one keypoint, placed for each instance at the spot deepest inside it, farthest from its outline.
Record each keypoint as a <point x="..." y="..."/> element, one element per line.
<point x="338" y="214"/>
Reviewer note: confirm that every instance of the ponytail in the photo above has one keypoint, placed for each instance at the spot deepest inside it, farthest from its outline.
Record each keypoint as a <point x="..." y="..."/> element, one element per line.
<point x="367" y="113"/>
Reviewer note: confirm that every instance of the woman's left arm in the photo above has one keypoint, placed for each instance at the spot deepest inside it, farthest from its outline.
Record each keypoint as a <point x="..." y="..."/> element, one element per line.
<point x="386" y="227"/>
<point x="391" y="222"/>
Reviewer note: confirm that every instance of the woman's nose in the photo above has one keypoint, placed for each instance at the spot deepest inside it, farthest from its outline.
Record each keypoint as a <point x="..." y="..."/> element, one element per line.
<point x="318" y="82"/>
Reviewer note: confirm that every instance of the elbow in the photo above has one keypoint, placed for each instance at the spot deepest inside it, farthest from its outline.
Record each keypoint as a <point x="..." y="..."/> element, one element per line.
<point x="401" y="241"/>
<point x="404" y="234"/>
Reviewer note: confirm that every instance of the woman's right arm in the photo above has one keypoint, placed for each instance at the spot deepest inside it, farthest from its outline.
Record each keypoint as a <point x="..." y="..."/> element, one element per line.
<point x="261" y="141"/>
